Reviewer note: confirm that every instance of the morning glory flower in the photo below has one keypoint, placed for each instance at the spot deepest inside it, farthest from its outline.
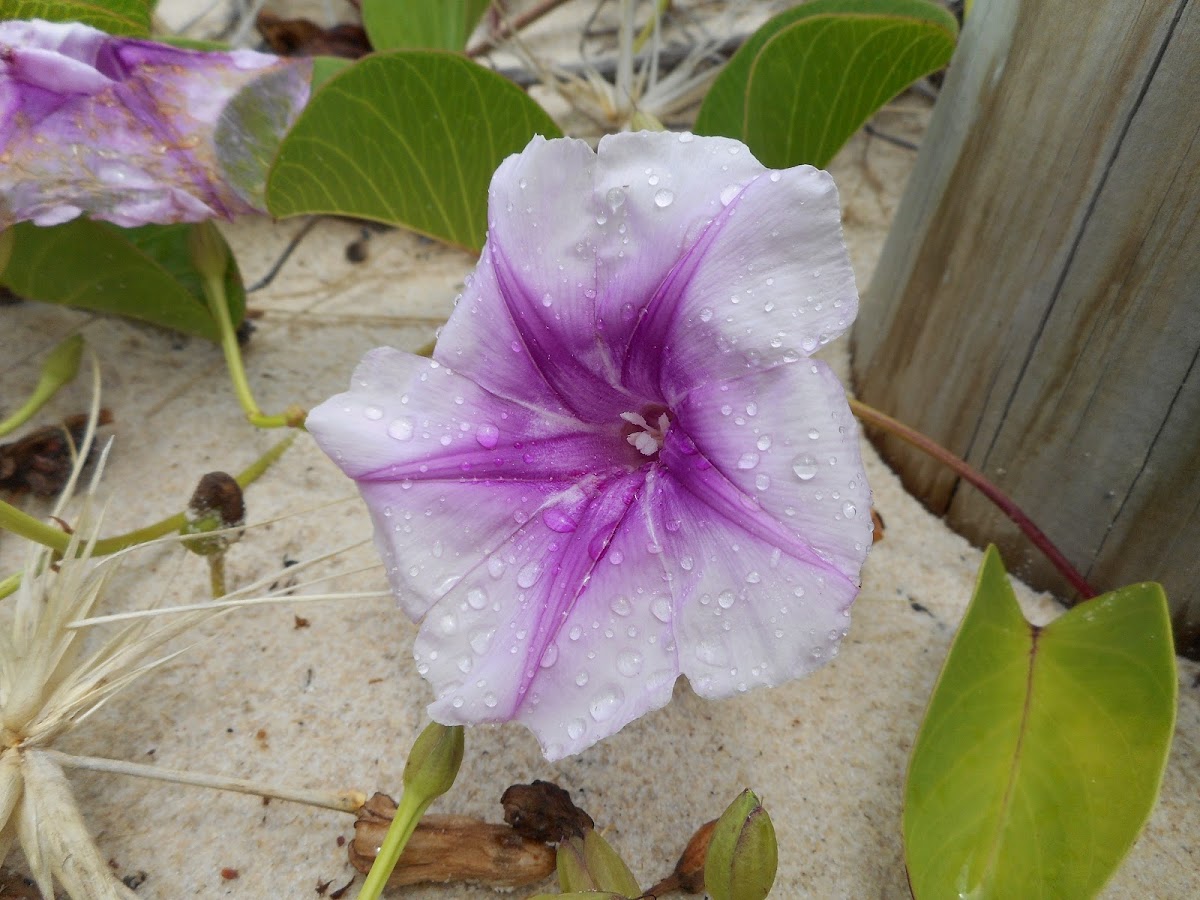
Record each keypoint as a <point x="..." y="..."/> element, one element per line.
<point x="621" y="464"/>
<point x="125" y="130"/>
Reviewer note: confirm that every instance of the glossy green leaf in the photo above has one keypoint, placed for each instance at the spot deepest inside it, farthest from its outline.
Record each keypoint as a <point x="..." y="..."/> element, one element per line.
<point x="1043" y="749"/>
<point x="409" y="138"/>
<point x="421" y="24"/>
<point x="126" y="17"/>
<point x="810" y="77"/>
<point x="325" y="67"/>
<point x="143" y="273"/>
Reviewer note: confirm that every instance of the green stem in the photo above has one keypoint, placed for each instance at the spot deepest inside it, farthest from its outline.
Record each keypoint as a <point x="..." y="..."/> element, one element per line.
<point x="214" y="291"/>
<point x="973" y="476"/>
<point x="59" y="369"/>
<point x="25" y="525"/>
<point x="216" y="574"/>
<point x="404" y="823"/>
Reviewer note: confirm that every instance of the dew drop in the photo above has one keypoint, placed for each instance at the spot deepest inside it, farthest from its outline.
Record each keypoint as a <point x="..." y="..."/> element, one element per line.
<point x="729" y="193"/>
<point x="748" y="460"/>
<point x="764" y="442"/>
<point x="753" y="578"/>
<point x="725" y="599"/>
<point x="550" y="656"/>
<point x="686" y="137"/>
<point x="576" y="728"/>
<point x="489" y="700"/>
<point x="706" y="314"/>
<point x="401" y="430"/>
<point x="374" y="413"/>
<point x="629" y="663"/>
<point x="487" y="435"/>
<point x="661" y="608"/>
<point x="849" y="510"/>
<point x="604" y="706"/>
<point x="529" y="574"/>
<point x="664" y="198"/>
<point x="495" y="566"/>
<point x="615" y="198"/>
<point x="621" y="605"/>
<point x="476" y="598"/>
<point x="712" y="652"/>
<point x="762" y="481"/>
<point x="581" y="679"/>
<point x="805" y="467"/>
<point x="480" y="642"/>
<point x="813" y="434"/>
<point x="557" y="521"/>
<point x="686" y="563"/>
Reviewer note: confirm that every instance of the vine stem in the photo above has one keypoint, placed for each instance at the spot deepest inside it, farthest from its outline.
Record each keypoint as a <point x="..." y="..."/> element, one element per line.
<point x="25" y="525"/>
<point x="989" y="489"/>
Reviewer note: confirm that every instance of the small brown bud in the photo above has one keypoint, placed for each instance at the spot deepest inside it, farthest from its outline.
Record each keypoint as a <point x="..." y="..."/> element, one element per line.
<point x="544" y="812"/>
<point x="216" y="505"/>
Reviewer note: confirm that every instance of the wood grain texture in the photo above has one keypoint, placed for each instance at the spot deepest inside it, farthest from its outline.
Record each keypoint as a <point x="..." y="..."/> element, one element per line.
<point x="1037" y="306"/>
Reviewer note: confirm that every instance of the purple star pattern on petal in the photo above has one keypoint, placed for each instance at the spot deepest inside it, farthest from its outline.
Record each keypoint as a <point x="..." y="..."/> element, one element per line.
<point x="622" y="464"/>
<point x="123" y="129"/>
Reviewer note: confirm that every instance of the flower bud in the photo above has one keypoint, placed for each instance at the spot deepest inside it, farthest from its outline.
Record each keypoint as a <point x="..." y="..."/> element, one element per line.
<point x="434" y="760"/>
<point x="589" y="863"/>
<point x="216" y="505"/>
<point x="62" y="365"/>
<point x="742" y="855"/>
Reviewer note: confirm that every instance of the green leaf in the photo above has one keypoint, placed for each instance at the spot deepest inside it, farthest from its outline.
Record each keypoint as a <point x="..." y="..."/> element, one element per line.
<point x="143" y="273"/>
<point x="125" y="17"/>
<point x="325" y="67"/>
<point x="409" y="138"/>
<point x="810" y="77"/>
<point x="1043" y="749"/>
<point x="417" y="24"/>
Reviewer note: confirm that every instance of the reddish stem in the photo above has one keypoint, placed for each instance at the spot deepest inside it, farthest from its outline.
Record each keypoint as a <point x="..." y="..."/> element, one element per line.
<point x="510" y="27"/>
<point x="964" y="470"/>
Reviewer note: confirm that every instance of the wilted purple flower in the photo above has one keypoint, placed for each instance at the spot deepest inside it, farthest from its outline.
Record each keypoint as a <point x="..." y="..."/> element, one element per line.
<point x="123" y="129"/>
<point x="621" y="465"/>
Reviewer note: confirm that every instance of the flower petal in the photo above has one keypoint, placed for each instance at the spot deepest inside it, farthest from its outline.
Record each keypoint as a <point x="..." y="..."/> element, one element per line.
<point x="661" y="261"/>
<point x="122" y="129"/>
<point x="786" y="440"/>
<point x="753" y="610"/>
<point x="569" y="631"/>
<point x="448" y="470"/>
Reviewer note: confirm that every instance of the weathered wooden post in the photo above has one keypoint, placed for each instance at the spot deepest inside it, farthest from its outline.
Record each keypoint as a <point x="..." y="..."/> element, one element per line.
<point x="1037" y="305"/>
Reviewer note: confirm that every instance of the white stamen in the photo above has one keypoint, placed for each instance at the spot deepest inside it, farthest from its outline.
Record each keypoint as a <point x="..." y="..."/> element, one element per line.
<point x="649" y="439"/>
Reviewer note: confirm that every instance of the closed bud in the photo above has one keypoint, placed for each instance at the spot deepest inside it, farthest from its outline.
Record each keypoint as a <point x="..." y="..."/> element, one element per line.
<point x="207" y="249"/>
<point x="589" y="863"/>
<point x="434" y="760"/>
<point x="743" y="854"/>
<point x="215" y="507"/>
<point x="62" y="365"/>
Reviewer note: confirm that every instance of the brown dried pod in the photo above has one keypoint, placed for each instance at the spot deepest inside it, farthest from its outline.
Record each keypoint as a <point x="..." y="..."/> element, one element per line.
<point x="303" y="37"/>
<point x="877" y="527"/>
<point x="689" y="871"/>
<point x="450" y="848"/>
<point x="544" y="812"/>
<point x="40" y="462"/>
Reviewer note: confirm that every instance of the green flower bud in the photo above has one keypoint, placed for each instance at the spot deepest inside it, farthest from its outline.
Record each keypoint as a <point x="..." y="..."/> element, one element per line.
<point x="62" y="365"/>
<point x="743" y="854"/>
<point x="589" y="863"/>
<point x="434" y="760"/>
<point x="207" y="249"/>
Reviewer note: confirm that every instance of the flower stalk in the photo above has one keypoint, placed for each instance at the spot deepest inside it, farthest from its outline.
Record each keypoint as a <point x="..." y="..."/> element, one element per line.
<point x="432" y="766"/>
<point x="985" y="486"/>
<point x="59" y="369"/>
<point x="211" y="259"/>
<point x="26" y="526"/>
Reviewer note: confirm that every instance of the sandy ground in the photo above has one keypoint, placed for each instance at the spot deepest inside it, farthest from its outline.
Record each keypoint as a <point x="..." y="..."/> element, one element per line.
<point x="337" y="703"/>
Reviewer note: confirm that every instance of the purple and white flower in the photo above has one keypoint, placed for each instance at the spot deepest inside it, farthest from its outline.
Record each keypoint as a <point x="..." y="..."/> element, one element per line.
<point x="125" y="130"/>
<point x="622" y="464"/>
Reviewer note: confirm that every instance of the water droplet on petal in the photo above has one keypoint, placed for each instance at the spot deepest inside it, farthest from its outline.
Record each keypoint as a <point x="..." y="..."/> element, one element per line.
<point x="725" y="599"/>
<point x="581" y="679"/>
<point x="849" y="510"/>
<point x="615" y="198"/>
<point x="661" y="608"/>
<point x="764" y="442"/>
<point x="706" y="314"/>
<point x="476" y="598"/>
<point x="605" y="704"/>
<point x="748" y="460"/>
<point x="480" y="641"/>
<point x="529" y="574"/>
<point x="805" y="467"/>
<point x="487" y="435"/>
<point x="686" y="137"/>
<point x="401" y="430"/>
<point x="621" y="605"/>
<point x="664" y="198"/>
<point x="374" y="413"/>
<point x="813" y="434"/>
<point x="550" y="656"/>
<point x="557" y="521"/>
<point x="629" y="663"/>
<point x="495" y="566"/>
<point x="489" y="700"/>
<point x="576" y="728"/>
